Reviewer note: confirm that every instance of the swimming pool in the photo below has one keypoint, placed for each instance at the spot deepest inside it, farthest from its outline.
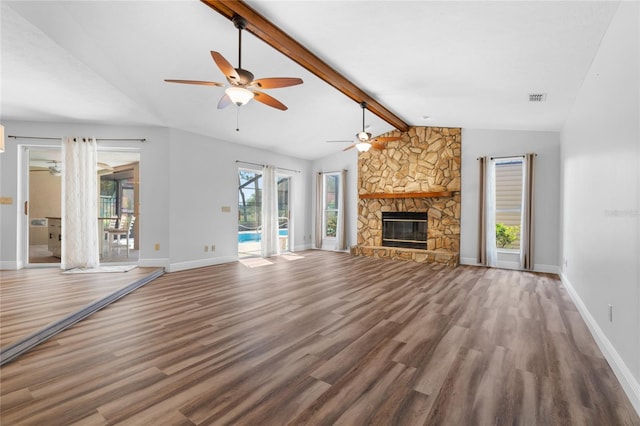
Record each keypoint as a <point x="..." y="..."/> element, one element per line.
<point x="253" y="236"/>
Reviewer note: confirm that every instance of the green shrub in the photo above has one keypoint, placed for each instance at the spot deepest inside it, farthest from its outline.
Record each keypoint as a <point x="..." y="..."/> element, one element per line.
<point x="506" y="235"/>
<point x="332" y="225"/>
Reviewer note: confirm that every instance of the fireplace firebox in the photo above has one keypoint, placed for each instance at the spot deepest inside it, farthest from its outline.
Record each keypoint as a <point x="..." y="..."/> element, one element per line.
<point x="404" y="229"/>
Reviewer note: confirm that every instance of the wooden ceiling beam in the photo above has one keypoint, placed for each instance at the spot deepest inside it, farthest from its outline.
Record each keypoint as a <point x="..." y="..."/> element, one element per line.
<point x="282" y="42"/>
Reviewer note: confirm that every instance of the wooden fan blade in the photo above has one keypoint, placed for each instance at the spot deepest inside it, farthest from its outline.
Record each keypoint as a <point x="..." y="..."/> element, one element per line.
<point x="387" y="139"/>
<point x="275" y="82"/>
<point x="349" y="147"/>
<point x="224" y="102"/>
<point x="377" y="146"/>
<point x="224" y="65"/>
<point x="201" y="83"/>
<point x="269" y="100"/>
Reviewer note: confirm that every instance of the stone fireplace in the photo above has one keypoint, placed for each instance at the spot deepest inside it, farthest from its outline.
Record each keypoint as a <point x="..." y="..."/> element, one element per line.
<point x="404" y="229"/>
<point x="418" y="174"/>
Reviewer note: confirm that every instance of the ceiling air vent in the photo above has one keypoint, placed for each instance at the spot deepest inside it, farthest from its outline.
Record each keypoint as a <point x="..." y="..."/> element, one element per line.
<point x="537" y="97"/>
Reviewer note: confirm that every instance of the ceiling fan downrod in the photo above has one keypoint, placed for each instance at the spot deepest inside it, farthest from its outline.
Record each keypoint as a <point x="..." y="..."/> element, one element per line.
<point x="363" y="136"/>
<point x="240" y="23"/>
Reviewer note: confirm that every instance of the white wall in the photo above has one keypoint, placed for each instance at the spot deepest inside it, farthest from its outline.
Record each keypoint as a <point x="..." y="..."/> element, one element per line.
<point x="154" y="160"/>
<point x="341" y="160"/>
<point x="185" y="179"/>
<point x="600" y="194"/>
<point x="499" y="143"/>
<point x="204" y="178"/>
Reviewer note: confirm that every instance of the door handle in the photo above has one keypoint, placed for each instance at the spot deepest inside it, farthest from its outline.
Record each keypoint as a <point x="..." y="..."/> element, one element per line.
<point x="26" y="208"/>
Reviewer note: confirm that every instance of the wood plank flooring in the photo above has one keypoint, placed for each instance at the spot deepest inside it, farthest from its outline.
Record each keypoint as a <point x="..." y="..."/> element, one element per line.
<point x="32" y="298"/>
<point x="325" y="339"/>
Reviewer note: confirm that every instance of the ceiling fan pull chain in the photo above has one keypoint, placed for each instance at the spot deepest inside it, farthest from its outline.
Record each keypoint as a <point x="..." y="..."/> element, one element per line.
<point x="237" y="119"/>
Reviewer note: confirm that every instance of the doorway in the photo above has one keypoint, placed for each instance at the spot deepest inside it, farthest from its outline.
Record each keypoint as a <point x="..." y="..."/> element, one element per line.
<point x="43" y="234"/>
<point x="44" y="206"/>
<point x="250" y="186"/>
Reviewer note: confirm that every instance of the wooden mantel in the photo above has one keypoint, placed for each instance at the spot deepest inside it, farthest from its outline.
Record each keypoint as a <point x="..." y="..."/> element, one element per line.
<point x="406" y="195"/>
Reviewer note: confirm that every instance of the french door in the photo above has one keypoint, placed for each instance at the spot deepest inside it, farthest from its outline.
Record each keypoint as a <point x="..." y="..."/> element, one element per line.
<point x="250" y="188"/>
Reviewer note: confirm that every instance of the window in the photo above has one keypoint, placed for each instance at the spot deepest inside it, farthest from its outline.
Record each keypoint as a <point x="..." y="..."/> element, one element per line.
<point x="508" y="179"/>
<point x="330" y="216"/>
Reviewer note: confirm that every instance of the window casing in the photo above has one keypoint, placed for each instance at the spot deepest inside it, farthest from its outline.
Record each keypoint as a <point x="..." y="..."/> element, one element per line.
<point x="331" y="205"/>
<point x="508" y="181"/>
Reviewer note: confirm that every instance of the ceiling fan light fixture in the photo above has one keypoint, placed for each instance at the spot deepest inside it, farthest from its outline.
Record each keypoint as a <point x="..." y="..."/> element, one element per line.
<point x="239" y="95"/>
<point x="363" y="146"/>
<point x="363" y="136"/>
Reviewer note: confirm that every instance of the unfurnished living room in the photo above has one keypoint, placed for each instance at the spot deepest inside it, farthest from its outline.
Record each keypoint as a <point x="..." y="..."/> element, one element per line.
<point x="320" y="212"/>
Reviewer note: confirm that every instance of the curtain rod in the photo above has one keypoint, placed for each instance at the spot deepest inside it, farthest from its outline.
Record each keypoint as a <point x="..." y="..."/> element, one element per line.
<point x="262" y="165"/>
<point x="335" y="171"/>
<point x="507" y="156"/>
<point x="57" y="139"/>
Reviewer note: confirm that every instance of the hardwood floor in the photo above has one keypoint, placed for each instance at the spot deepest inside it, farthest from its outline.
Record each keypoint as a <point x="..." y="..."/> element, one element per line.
<point x="32" y="298"/>
<point x="326" y="339"/>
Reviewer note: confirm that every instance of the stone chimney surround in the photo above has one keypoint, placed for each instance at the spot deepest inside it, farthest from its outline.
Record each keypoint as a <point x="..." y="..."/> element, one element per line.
<point x="419" y="173"/>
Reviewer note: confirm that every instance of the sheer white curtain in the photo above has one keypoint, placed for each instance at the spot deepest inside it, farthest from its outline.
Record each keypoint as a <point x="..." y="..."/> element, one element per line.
<point x="487" y="253"/>
<point x="319" y="209"/>
<point x="490" y="214"/>
<point x="80" y="244"/>
<point x="526" y="232"/>
<point x="341" y="234"/>
<point x="269" y="245"/>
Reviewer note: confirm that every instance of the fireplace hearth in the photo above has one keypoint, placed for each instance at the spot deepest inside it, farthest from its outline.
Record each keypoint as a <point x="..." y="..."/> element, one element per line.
<point x="404" y="229"/>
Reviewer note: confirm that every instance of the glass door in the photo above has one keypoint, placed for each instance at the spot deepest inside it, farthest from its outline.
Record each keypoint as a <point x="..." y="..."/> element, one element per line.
<point x="249" y="212"/>
<point x="119" y="207"/>
<point x="330" y="210"/>
<point x="250" y="186"/>
<point x="284" y="213"/>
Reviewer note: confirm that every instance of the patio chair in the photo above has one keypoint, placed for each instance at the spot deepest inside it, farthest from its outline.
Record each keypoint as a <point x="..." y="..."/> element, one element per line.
<point x="125" y="228"/>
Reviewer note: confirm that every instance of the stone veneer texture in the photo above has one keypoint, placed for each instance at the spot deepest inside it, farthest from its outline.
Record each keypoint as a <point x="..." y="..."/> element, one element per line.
<point x="426" y="159"/>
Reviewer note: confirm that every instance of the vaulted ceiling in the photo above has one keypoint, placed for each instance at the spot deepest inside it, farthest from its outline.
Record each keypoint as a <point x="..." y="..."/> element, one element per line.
<point x="461" y="64"/>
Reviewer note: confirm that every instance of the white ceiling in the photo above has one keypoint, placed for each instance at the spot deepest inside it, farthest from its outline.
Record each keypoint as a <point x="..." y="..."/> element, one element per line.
<point x="464" y="64"/>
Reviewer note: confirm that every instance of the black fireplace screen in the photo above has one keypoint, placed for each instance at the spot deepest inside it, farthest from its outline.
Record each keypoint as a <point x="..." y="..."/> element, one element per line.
<point x="404" y="229"/>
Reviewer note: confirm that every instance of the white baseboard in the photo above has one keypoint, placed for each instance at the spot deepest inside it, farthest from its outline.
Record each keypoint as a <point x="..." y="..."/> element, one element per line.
<point x="154" y="263"/>
<point x="303" y="247"/>
<point x="11" y="265"/>
<point x="182" y="266"/>
<point x="505" y="264"/>
<point x="628" y="382"/>
<point x="547" y="269"/>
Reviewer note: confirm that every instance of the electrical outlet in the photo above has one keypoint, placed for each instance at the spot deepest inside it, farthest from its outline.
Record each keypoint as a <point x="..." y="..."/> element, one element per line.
<point x="226" y="209"/>
<point x="156" y="247"/>
<point x="206" y="248"/>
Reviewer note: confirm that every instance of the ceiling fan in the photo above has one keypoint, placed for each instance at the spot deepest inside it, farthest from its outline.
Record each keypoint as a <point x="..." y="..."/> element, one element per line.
<point x="53" y="169"/>
<point x="242" y="84"/>
<point x="365" y="142"/>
